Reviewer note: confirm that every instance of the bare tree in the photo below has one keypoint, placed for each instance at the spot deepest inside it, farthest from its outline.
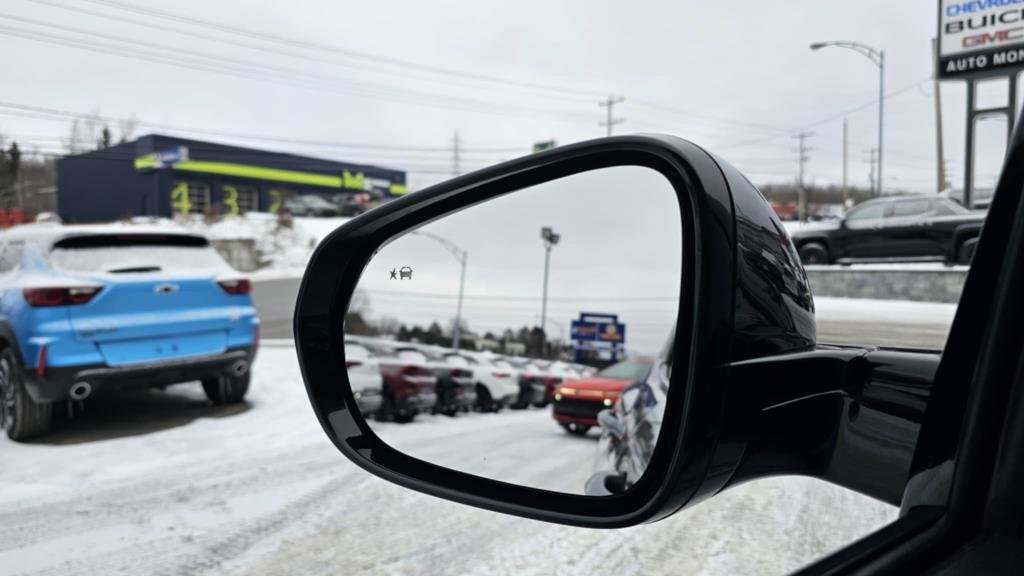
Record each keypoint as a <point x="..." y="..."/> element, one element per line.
<point x="126" y="127"/>
<point x="85" y="133"/>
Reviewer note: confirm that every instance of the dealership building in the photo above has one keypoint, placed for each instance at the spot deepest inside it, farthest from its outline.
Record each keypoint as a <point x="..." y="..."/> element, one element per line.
<point x="166" y="176"/>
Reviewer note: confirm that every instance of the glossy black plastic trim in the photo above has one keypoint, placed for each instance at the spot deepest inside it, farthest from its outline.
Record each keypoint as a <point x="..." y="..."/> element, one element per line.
<point x="847" y="415"/>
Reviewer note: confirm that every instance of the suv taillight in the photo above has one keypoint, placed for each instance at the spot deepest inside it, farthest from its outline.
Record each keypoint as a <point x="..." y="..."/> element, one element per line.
<point x="235" y="287"/>
<point x="72" y="296"/>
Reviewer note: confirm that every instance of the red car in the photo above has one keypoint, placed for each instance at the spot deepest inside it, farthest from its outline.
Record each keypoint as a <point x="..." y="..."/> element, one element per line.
<point x="577" y="402"/>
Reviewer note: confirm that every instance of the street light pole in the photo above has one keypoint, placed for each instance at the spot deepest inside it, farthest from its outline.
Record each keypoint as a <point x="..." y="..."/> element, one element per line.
<point x="457" y="331"/>
<point x="878" y="58"/>
<point x="550" y="240"/>
<point x="460" y="255"/>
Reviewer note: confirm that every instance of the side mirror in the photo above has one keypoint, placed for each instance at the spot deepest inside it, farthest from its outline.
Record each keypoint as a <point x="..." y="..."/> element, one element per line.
<point x="694" y="261"/>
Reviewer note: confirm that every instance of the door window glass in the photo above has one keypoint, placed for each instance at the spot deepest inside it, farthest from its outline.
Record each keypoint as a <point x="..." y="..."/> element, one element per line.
<point x="869" y="212"/>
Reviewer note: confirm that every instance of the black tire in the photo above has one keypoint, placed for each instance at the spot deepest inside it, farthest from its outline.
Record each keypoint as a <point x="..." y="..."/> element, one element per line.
<point x="389" y="411"/>
<point x="576" y="429"/>
<point x="965" y="253"/>
<point x="226" y="389"/>
<point x="814" y="253"/>
<point x="543" y="404"/>
<point x="484" y="401"/>
<point x="21" y="417"/>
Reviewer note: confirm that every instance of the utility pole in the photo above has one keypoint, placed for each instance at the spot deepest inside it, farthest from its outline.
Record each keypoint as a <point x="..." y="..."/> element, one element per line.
<point x="881" y="116"/>
<point x="872" y="159"/>
<point x="610" y="120"/>
<point x="939" y="151"/>
<point x="846" y="162"/>
<point x="455" y="154"/>
<point x="802" y="158"/>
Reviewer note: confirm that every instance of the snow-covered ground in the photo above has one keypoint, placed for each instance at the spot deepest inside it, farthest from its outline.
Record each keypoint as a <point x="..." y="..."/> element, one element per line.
<point x="162" y="483"/>
<point x="286" y="250"/>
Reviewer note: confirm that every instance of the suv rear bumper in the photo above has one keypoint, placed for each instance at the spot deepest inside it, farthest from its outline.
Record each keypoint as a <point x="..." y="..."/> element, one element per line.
<point x="57" y="381"/>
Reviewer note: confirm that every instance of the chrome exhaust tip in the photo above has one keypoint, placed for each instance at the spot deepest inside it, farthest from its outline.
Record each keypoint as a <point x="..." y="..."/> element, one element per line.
<point x="240" y="367"/>
<point x="80" y="390"/>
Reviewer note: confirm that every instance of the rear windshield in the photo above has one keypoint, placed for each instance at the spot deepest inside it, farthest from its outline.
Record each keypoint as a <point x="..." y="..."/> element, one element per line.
<point x="626" y="370"/>
<point x="134" y="253"/>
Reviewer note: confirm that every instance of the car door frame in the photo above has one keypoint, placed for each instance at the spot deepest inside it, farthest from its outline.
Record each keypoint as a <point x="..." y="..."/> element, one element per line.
<point x="962" y="508"/>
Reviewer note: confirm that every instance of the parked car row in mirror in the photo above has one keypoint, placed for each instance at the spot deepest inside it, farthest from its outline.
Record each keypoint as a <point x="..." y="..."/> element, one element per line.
<point x="395" y="381"/>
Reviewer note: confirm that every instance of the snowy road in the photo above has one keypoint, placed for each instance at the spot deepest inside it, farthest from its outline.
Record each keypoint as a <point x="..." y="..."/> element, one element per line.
<point x="162" y="483"/>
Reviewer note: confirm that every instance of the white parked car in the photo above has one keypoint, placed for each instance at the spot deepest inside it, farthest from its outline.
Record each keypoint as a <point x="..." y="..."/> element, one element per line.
<point x="497" y="382"/>
<point x="364" y="374"/>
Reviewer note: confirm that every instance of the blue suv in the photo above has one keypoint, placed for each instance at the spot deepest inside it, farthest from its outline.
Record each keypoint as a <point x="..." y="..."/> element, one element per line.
<point x="96" y="309"/>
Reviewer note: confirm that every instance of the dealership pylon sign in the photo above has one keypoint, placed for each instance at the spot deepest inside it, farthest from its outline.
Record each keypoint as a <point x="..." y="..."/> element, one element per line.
<point x="980" y="37"/>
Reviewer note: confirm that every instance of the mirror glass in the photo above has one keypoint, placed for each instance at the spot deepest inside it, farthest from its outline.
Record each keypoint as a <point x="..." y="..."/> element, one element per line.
<point x="518" y="339"/>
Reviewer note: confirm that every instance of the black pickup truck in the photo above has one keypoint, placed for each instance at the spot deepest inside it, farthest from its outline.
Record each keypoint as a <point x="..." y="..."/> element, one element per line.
<point x="899" y="228"/>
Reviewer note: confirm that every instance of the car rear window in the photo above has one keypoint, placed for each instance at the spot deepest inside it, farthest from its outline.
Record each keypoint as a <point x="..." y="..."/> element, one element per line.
<point x="134" y="253"/>
<point x="626" y="370"/>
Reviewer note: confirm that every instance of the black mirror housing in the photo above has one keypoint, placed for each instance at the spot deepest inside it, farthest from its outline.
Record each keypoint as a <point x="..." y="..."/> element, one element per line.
<point x="744" y="296"/>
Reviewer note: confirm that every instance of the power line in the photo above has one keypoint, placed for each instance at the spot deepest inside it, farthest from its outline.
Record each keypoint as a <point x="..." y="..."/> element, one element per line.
<point x="277" y="51"/>
<point x="66" y="114"/>
<point x="276" y="75"/>
<point x="277" y="39"/>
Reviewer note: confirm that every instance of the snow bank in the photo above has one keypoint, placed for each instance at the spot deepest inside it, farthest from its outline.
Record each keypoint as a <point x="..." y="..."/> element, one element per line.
<point x="283" y="250"/>
<point x="863" y="310"/>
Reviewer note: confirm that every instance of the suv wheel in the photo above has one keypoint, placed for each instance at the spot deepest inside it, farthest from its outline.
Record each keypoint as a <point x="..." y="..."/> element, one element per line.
<point x="813" y="253"/>
<point x="226" y="389"/>
<point x="484" y="401"/>
<point x="21" y="417"/>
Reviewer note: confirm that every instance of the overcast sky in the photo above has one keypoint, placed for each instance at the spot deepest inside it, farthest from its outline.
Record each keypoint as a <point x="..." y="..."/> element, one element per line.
<point x="602" y="263"/>
<point x="737" y="78"/>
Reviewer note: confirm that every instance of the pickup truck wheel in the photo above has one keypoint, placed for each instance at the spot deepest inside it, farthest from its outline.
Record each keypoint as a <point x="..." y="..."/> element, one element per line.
<point x="226" y="389"/>
<point x="813" y="253"/>
<point x="20" y="416"/>
<point x="576" y="429"/>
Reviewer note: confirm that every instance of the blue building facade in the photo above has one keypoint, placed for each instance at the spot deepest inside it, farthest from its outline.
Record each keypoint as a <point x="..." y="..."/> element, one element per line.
<point x="166" y="176"/>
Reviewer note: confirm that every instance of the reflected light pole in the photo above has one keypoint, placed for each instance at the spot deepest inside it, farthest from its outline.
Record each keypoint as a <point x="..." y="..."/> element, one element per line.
<point x="550" y="240"/>
<point x="460" y="255"/>
<point x="878" y="58"/>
